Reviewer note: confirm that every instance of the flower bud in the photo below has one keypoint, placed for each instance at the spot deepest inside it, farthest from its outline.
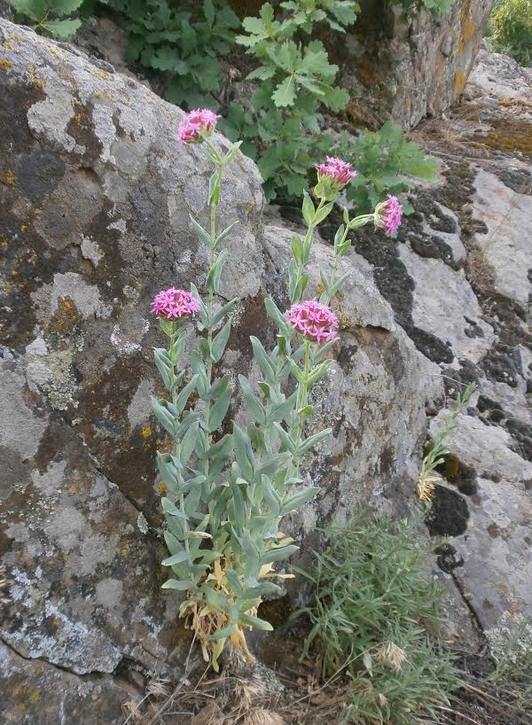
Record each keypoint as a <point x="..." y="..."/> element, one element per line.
<point x="333" y="175"/>
<point x="388" y="215"/>
<point x="196" y="125"/>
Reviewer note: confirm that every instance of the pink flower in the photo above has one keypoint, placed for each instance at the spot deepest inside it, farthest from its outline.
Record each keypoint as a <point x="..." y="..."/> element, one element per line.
<point x="340" y="171"/>
<point x="388" y="215"/>
<point x="313" y="320"/>
<point x="196" y="124"/>
<point x="174" y="303"/>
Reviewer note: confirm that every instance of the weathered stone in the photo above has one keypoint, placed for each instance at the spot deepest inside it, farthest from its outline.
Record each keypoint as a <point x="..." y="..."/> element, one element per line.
<point x="36" y="693"/>
<point x="495" y="545"/>
<point x="95" y="195"/>
<point x="95" y="199"/>
<point x="458" y="280"/>
<point x="444" y="304"/>
<point x="506" y="213"/>
<point x="499" y="76"/>
<point x="407" y="67"/>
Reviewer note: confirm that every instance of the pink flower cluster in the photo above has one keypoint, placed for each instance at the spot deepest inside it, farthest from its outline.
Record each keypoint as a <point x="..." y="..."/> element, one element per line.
<point x="313" y="320"/>
<point x="389" y="215"/>
<point x="340" y="171"/>
<point x="197" y="123"/>
<point x="174" y="303"/>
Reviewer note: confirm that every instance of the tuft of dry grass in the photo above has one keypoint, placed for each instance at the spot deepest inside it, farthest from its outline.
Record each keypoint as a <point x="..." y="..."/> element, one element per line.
<point x="263" y="717"/>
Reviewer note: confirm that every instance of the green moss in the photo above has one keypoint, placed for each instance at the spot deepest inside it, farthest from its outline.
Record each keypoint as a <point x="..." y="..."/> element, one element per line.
<point x="509" y="135"/>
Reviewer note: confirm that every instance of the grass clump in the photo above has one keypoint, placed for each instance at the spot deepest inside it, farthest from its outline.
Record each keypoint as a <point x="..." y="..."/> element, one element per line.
<point x="374" y="608"/>
<point x="511" y="650"/>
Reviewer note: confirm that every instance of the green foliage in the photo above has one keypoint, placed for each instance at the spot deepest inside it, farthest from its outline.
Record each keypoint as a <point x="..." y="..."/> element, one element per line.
<point x="510" y="644"/>
<point x="281" y="129"/>
<point x="373" y="600"/>
<point x="510" y="29"/>
<point x="386" y="163"/>
<point x="51" y="17"/>
<point x="182" y="40"/>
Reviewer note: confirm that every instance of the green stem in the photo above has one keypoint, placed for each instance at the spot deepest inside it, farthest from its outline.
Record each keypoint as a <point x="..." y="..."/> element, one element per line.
<point x="307" y="244"/>
<point x="210" y="299"/>
<point x="335" y="263"/>
<point x="301" y="400"/>
<point x="215" y="154"/>
<point x="175" y="393"/>
<point x="355" y="223"/>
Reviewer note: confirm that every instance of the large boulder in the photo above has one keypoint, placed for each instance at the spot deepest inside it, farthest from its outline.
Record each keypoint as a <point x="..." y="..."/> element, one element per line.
<point x="95" y="197"/>
<point x="406" y="65"/>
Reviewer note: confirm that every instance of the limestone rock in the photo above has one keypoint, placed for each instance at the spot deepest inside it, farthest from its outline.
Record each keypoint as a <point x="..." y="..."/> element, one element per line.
<point x="36" y="693"/>
<point x="506" y="213"/>
<point x="95" y="196"/>
<point x="499" y="76"/>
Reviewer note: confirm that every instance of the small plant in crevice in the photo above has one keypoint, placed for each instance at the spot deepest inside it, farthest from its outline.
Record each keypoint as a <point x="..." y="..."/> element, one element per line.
<point x="50" y="17"/>
<point x="227" y="486"/>
<point x="438" y="451"/>
<point x="373" y="606"/>
<point x="510" y="643"/>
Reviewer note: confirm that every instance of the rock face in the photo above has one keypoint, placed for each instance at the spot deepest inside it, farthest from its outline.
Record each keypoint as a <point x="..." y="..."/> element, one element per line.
<point x="407" y="66"/>
<point x="459" y="280"/>
<point x="95" y="196"/>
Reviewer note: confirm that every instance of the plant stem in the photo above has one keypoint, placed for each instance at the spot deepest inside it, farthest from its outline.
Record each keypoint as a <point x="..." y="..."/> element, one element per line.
<point x="301" y="400"/>
<point x="213" y="256"/>
<point x="328" y="297"/>
<point x="355" y="223"/>
<point x="307" y="244"/>
<point x="175" y="394"/>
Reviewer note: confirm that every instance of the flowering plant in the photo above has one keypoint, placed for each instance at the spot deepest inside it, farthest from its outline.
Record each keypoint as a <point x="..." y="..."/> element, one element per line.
<point x="227" y="488"/>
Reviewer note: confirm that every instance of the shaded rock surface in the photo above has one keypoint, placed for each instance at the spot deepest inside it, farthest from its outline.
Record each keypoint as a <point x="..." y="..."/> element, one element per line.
<point x="36" y="693"/>
<point x="410" y="65"/>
